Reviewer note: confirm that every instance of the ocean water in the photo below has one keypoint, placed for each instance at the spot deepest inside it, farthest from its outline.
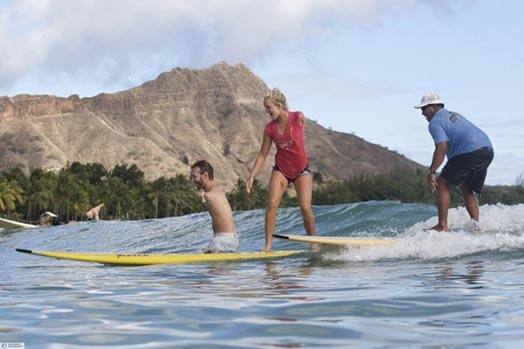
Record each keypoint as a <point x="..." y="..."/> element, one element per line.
<point x="431" y="290"/>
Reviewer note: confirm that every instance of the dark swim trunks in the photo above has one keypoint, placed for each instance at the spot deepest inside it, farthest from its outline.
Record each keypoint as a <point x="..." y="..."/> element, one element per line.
<point x="470" y="168"/>
<point x="304" y="172"/>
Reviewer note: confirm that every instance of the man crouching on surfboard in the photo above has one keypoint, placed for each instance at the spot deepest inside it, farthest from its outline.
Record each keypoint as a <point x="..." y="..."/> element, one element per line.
<point x="469" y="152"/>
<point x="225" y="237"/>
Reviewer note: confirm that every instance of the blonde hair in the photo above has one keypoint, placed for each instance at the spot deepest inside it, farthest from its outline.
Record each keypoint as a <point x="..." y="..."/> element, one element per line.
<point x="45" y="219"/>
<point x="277" y="98"/>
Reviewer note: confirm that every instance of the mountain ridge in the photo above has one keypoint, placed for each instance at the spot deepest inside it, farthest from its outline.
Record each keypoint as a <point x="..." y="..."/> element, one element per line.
<point x="165" y="124"/>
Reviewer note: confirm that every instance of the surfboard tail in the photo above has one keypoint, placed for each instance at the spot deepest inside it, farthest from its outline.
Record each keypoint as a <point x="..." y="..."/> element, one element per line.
<point x="24" y="250"/>
<point x="338" y="240"/>
<point x="280" y="236"/>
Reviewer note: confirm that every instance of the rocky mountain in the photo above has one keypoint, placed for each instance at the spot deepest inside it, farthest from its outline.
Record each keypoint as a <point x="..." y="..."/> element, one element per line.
<point x="166" y="124"/>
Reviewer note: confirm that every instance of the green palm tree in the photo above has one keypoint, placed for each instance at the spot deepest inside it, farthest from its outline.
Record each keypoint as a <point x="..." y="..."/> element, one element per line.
<point x="184" y="196"/>
<point x="10" y="194"/>
<point x="116" y="196"/>
<point x="158" y="193"/>
<point x="38" y="193"/>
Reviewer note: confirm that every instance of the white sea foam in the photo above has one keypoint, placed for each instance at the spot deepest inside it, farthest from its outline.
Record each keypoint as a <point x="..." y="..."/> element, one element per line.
<point x="502" y="231"/>
<point x="493" y="218"/>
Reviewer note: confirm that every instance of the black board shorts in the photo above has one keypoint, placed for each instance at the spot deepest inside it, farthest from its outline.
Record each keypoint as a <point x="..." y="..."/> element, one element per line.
<point x="470" y="168"/>
<point x="305" y="171"/>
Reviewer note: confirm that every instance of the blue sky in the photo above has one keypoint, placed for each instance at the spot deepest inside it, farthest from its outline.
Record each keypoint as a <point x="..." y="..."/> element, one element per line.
<point x="356" y="66"/>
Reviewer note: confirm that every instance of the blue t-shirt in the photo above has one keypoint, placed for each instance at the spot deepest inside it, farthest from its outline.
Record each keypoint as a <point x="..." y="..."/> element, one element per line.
<point x="462" y="136"/>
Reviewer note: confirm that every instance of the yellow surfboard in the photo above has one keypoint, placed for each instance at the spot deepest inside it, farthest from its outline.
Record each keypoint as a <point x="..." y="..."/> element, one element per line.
<point x="151" y="259"/>
<point x="338" y="240"/>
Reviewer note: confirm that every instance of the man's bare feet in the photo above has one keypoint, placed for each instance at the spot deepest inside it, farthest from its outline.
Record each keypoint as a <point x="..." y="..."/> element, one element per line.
<point x="438" y="227"/>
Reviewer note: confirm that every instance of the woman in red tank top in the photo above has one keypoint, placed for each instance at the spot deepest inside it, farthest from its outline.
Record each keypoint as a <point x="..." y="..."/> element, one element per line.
<point x="286" y="130"/>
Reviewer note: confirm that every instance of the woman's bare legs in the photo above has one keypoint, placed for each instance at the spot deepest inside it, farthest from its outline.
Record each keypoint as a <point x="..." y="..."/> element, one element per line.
<point x="277" y="186"/>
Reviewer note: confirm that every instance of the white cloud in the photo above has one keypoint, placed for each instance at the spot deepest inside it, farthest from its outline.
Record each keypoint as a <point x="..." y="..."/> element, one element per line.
<point x="112" y="40"/>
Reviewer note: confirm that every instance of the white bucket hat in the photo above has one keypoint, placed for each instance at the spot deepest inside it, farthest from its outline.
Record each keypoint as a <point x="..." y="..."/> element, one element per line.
<point x="428" y="99"/>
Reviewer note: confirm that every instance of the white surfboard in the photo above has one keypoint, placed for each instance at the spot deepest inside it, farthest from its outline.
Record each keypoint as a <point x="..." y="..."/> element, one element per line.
<point x="8" y="224"/>
<point x="338" y="240"/>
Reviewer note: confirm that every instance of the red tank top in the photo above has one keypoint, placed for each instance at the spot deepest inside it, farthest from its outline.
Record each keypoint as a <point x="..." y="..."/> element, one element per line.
<point x="291" y="157"/>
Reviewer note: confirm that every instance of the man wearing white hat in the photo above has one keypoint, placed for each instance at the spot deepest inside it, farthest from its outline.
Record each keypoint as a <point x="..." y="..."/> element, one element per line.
<point x="48" y="218"/>
<point x="469" y="152"/>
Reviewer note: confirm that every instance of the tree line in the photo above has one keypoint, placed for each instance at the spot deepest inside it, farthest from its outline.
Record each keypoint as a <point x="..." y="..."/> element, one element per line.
<point x="408" y="186"/>
<point x="74" y="189"/>
<point x="128" y="195"/>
